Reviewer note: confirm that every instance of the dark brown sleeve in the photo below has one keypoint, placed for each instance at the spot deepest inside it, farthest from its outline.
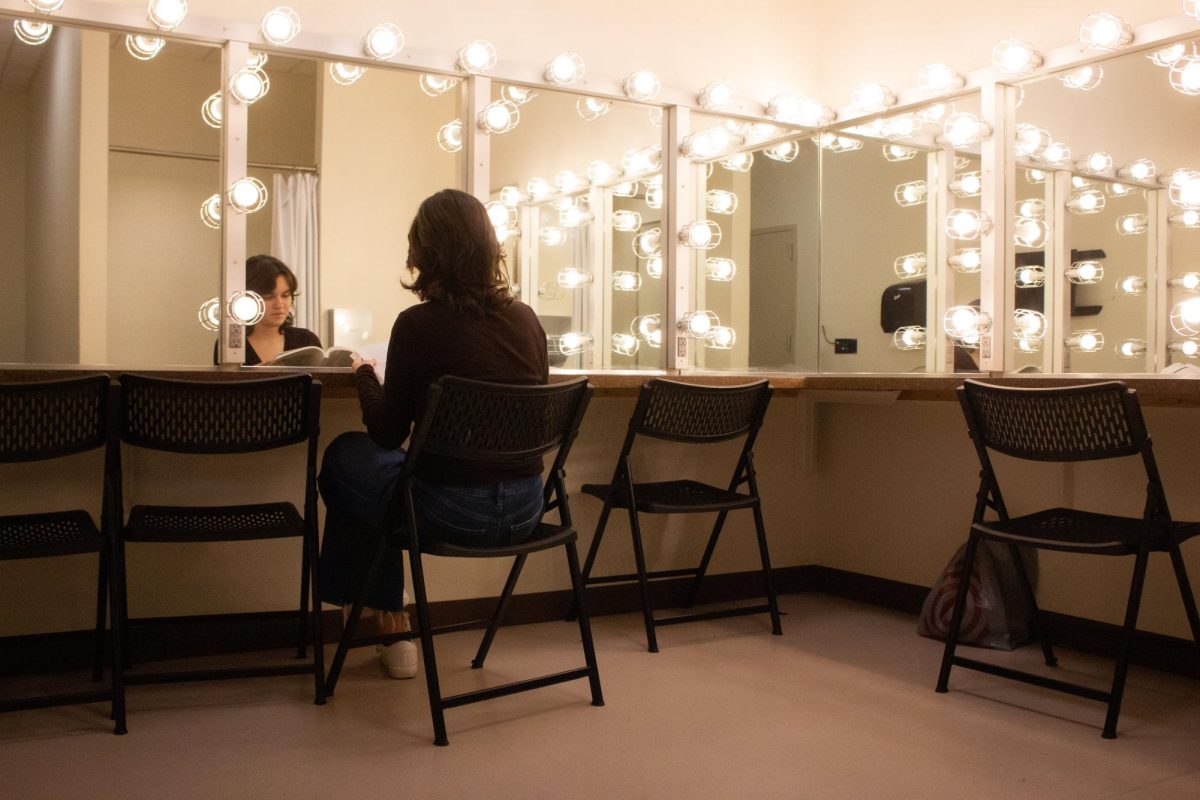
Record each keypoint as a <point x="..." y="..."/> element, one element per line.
<point x="386" y="410"/>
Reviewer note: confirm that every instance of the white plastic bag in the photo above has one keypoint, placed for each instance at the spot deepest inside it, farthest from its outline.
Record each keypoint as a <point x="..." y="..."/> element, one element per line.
<point x="996" y="614"/>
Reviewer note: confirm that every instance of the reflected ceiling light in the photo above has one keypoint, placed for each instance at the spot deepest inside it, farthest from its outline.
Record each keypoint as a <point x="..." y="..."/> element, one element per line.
<point x="966" y="324"/>
<point x="1030" y="232"/>
<point x="1025" y="345"/>
<point x="903" y="126"/>
<point x="648" y="243"/>
<point x="1132" y="224"/>
<point x="1084" y="272"/>
<point x="552" y="237"/>
<point x="572" y="342"/>
<point x="1035" y="176"/>
<point x="1185" y="219"/>
<point x="592" y="108"/>
<point x="1014" y="57"/>
<point x="1083" y="79"/>
<point x="210" y="314"/>
<point x="166" y="14"/>
<point x="1185" y="75"/>
<point x="434" y="85"/>
<point x="573" y="278"/>
<point x="640" y="85"/>
<point x="246" y="308"/>
<point x="257" y="59"/>
<point x="45" y="6"/>
<point x="143" y="47"/>
<point x="450" y="136"/>
<point x="383" y="42"/>
<point x="1056" y="154"/>
<point x="1087" y="201"/>
<point x="624" y="344"/>
<point x="967" y="184"/>
<point x="1120" y="189"/>
<point x="210" y="211"/>
<point x="1185" y="317"/>
<point x="963" y="128"/>
<point x="1031" y="141"/>
<point x="702" y="235"/>
<point x="720" y="337"/>
<point x="1098" y="163"/>
<point x="913" y="265"/>
<point x="698" y="324"/>
<point x="32" y="31"/>
<point x="212" y="110"/>
<point x="1080" y="182"/>
<point x="626" y="221"/>
<point x="837" y="144"/>
<point x="654" y="196"/>
<point x="909" y="337"/>
<point x="1030" y="277"/>
<point x="717" y="95"/>
<point x="965" y="224"/>
<point x="517" y="95"/>
<point x="935" y="114"/>
<point x="1184" y="190"/>
<point x="640" y="162"/>
<point x="1029" y="324"/>
<point x="1188" y="282"/>
<point x="600" y="171"/>
<point x="478" y="56"/>
<point x="938" y="79"/>
<point x="755" y="132"/>
<point x="1141" y="170"/>
<point x="249" y="85"/>
<point x="1131" y="286"/>
<point x="966" y="260"/>
<point x="1188" y="348"/>
<point x="799" y="110"/>
<point x="625" y="189"/>
<point x="539" y="189"/>
<point x="1086" y="341"/>
<point x="708" y="143"/>
<point x="895" y="152"/>
<point x="1103" y="31"/>
<point x="280" y="25"/>
<point x="872" y="97"/>
<point x="1168" y="55"/>
<point x="623" y="281"/>
<point x="501" y="215"/>
<point x="784" y="151"/>
<point x="654" y="266"/>
<point x="738" y="162"/>
<point x="498" y="116"/>
<point x="648" y="328"/>
<point x="564" y="69"/>
<point x="511" y="196"/>
<point x="505" y="233"/>
<point x="346" y="74"/>
<point x="912" y="193"/>
<point x="721" y="270"/>
<point x="1032" y="208"/>
<point x="247" y="195"/>
<point x="719" y="201"/>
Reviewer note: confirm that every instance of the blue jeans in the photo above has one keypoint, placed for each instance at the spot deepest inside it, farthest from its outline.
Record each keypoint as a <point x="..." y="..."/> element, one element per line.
<point x="357" y="480"/>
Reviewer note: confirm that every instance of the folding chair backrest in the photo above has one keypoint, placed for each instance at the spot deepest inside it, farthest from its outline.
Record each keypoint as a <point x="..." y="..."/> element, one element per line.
<point x="498" y="423"/>
<point x="53" y="418"/>
<point x="682" y="412"/>
<point x="1074" y="423"/>
<point x="218" y="416"/>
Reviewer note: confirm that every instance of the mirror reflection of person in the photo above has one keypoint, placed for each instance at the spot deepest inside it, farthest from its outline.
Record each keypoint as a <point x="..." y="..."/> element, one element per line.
<point x="467" y="325"/>
<point x="276" y="332"/>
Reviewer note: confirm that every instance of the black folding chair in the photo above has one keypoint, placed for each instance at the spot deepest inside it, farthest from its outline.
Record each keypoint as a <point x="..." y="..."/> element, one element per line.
<point x="226" y="417"/>
<point x="40" y="421"/>
<point x="690" y="414"/>
<point x="1078" y="423"/>
<point x="485" y="423"/>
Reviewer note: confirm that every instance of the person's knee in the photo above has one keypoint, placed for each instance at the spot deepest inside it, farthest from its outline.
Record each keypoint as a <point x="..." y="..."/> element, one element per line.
<point x="338" y="454"/>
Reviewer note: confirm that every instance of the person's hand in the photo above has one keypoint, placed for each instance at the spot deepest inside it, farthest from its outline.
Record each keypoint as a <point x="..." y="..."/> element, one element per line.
<point x="358" y="361"/>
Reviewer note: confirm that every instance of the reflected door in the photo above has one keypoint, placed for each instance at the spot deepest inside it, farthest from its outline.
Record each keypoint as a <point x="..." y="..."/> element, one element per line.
<point x="773" y="297"/>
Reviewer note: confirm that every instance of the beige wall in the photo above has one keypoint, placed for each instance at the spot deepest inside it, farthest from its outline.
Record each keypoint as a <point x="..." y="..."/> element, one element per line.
<point x="93" y="199"/>
<point x="14" y="143"/>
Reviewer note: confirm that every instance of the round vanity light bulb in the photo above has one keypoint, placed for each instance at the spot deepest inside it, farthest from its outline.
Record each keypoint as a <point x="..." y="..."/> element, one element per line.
<point x="346" y="74"/>
<point x="654" y="196"/>
<point x="539" y="189"/>
<point x="966" y="224"/>
<point x="1132" y="224"/>
<point x="871" y="97"/>
<point x="1098" y="163"/>
<point x="573" y="342"/>
<point x="895" y="152"/>
<point x="1083" y="79"/>
<point x="903" y="126"/>
<point x="213" y="109"/>
<point x="625" y="344"/>
<point x="721" y="270"/>
<point x="499" y="116"/>
<point x="517" y="95"/>
<point x="935" y="114"/>
<point x="626" y="221"/>
<point x="1028" y="324"/>
<point x="166" y="14"/>
<point x="450" y="136"/>
<point x="600" y="171"/>
<point x="1014" y="57"/>
<point x="1085" y="272"/>
<point x="913" y="193"/>
<point x="210" y="212"/>
<point x="643" y="161"/>
<point x="1031" y="141"/>
<point x="592" y="108"/>
<point x="719" y="201"/>
<point x="499" y="214"/>
<point x="511" y="196"/>
<point x="1032" y="208"/>
<point x="436" y="85"/>
<point x="720" y="337"/>
<point x="45" y="6"/>
<point x="654" y="266"/>
<point x="564" y="69"/>
<point x="1035" y="176"/>
<point x="697" y="324"/>
<point x="624" y="281"/>
<point x="1185" y="219"/>
<point x="784" y="151"/>
<point x="1102" y="31"/>
<point x="247" y="195"/>
<point x="966" y="260"/>
<point x="963" y="128"/>
<point x="1142" y="169"/>
<point x="1189" y="348"/>
<point x="964" y="323"/>
<point x="625" y="189"/>
<point x="700" y="235"/>
<point x="249" y="85"/>
<point x="968" y="184"/>
<point x="909" y="337"/>
<point x="1086" y="201"/>
<point x="1167" y="56"/>
<point x="1184" y="190"/>
<point x="938" y="79"/>
<point x="1188" y="282"/>
<point x="210" y="314"/>
<point x="573" y="278"/>
<point x="913" y="265"/>
<point x="1185" y="75"/>
<point x="1030" y="277"/>
<point x="648" y="328"/>
<point x="640" y="85"/>
<point x="568" y="181"/>
<point x="552" y="236"/>
<point x="1030" y="232"/>
<point x="717" y="95"/>
<point x="1087" y="341"/>
<point x="573" y="216"/>
<point x="1185" y="317"/>
<point x="383" y="42"/>
<point x="648" y="243"/>
<point x="478" y="56"/>
<point x="1056" y="154"/>
<point x="143" y="47"/>
<point x="1131" y="286"/>
<point x="280" y="25"/>
<point x="246" y="308"/>
<point x="32" y="31"/>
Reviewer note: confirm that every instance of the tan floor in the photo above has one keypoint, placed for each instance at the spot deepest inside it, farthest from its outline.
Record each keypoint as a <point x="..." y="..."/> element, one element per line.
<point x="841" y="706"/>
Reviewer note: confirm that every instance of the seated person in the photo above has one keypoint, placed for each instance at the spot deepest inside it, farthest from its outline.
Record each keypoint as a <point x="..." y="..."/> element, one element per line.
<point x="276" y="332"/>
<point x="467" y="325"/>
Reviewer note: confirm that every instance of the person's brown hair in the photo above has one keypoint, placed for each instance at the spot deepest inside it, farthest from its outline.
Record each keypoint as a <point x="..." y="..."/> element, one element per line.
<point x="261" y="274"/>
<point x="454" y="252"/>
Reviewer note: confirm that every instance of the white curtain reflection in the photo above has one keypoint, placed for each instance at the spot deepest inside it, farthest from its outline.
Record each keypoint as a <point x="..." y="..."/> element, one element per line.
<point x="294" y="239"/>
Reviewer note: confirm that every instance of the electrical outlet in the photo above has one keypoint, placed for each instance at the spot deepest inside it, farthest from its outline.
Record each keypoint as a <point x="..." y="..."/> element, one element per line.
<point x="845" y="346"/>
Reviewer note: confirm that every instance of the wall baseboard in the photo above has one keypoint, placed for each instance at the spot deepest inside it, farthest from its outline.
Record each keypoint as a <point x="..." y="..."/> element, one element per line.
<point x="184" y="637"/>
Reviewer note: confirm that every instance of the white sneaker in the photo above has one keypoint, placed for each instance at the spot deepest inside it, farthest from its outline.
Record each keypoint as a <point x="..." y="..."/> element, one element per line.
<point x="399" y="659"/>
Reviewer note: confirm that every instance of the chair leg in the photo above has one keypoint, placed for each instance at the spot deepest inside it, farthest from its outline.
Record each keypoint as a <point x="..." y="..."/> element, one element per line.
<point x="585" y="628"/>
<point x="593" y="549"/>
<point x="309" y="576"/>
<point x="116" y="601"/>
<point x="122" y="578"/>
<point x="703" y="568"/>
<point x="960" y="604"/>
<point x="1185" y="590"/>
<point x="101" y="614"/>
<point x="436" y="710"/>
<point x="643" y="584"/>
<point x="303" y="615"/>
<point x="1131" y="614"/>
<point x="772" y="601"/>
<point x="339" y="656"/>
<point x="501" y="607"/>
<point x="1035" y="614"/>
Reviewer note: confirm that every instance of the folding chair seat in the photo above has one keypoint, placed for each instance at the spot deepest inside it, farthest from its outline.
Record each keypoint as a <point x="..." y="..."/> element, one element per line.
<point x="213" y="418"/>
<point x="485" y="423"/>
<point x="687" y="414"/>
<point x="41" y="421"/>
<point x="1079" y="423"/>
